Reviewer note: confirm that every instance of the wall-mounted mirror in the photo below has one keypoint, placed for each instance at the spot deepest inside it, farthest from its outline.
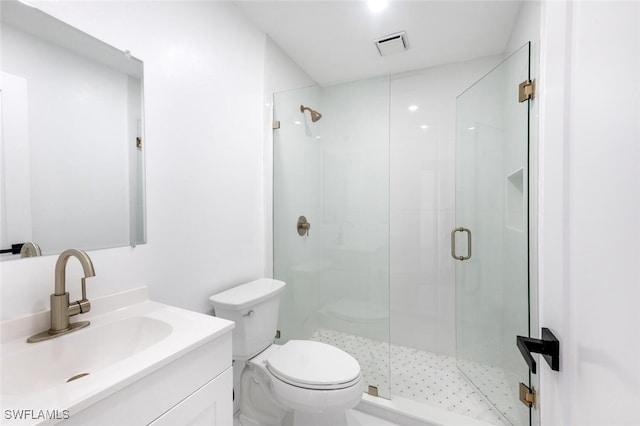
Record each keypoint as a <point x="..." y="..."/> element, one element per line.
<point x="72" y="149"/>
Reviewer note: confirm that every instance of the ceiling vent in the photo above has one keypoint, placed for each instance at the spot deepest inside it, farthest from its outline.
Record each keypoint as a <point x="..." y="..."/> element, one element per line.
<point x="393" y="43"/>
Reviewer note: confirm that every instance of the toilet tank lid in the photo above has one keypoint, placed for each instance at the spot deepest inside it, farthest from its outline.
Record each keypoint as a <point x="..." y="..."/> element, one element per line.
<point x="246" y="295"/>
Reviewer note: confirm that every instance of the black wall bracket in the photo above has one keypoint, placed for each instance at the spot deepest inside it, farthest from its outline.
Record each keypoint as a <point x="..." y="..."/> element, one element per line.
<point x="548" y="347"/>
<point x="15" y="249"/>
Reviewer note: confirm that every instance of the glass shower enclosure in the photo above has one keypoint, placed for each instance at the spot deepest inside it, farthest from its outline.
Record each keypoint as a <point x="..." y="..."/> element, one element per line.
<point x="491" y="240"/>
<point x="331" y="220"/>
<point x="331" y="229"/>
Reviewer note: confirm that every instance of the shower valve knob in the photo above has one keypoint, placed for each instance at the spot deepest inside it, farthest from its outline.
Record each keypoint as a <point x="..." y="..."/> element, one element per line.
<point x="303" y="226"/>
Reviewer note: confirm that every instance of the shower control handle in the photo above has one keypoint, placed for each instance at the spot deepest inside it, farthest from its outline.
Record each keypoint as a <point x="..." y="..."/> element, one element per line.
<point x="303" y="226"/>
<point x="453" y="243"/>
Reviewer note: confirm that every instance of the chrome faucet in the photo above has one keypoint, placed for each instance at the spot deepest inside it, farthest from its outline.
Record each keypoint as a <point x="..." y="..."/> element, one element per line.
<point x="61" y="309"/>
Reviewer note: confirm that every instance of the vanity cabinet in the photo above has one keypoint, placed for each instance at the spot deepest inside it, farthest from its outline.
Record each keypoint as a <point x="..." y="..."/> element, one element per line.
<point x="210" y="405"/>
<point x="194" y="389"/>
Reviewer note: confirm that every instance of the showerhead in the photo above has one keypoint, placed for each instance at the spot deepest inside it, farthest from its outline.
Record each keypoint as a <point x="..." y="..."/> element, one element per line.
<point x="315" y="115"/>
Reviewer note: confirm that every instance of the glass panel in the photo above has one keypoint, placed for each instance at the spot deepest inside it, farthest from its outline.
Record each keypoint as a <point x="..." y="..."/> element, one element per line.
<point x="335" y="172"/>
<point x="492" y="202"/>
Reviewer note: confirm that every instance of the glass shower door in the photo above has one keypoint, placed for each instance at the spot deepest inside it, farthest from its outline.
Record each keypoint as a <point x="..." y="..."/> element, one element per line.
<point x="492" y="285"/>
<point x="331" y="170"/>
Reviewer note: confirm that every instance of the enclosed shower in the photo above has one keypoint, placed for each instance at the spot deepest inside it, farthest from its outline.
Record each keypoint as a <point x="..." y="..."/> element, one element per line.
<point x="400" y="226"/>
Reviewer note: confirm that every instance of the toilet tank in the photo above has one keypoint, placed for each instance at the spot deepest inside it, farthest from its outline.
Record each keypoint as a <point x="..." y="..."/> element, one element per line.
<point x="254" y="308"/>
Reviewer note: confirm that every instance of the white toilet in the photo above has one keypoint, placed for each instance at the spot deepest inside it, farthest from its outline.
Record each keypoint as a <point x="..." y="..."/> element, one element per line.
<point x="301" y="383"/>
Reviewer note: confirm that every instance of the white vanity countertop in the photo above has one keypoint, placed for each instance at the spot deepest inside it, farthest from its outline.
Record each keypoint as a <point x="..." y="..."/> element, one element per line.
<point x="129" y="337"/>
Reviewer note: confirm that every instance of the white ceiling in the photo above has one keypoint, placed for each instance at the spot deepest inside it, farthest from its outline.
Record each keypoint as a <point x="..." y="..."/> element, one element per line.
<point x="333" y="41"/>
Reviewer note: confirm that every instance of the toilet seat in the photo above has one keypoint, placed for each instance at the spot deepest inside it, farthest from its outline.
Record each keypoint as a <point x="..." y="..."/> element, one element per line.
<point x="314" y="365"/>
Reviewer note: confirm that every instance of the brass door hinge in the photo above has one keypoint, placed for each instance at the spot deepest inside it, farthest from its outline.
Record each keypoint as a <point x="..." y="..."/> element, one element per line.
<point x="139" y="142"/>
<point x="526" y="90"/>
<point x="277" y="334"/>
<point x="276" y="124"/>
<point x="527" y="395"/>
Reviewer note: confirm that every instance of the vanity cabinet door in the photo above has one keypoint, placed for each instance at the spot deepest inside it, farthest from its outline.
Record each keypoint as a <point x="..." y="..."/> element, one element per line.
<point x="210" y="405"/>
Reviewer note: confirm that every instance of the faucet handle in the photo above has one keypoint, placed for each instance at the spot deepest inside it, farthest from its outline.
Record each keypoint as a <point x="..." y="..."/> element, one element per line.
<point x="84" y="304"/>
<point x="81" y="306"/>
<point x="84" y="288"/>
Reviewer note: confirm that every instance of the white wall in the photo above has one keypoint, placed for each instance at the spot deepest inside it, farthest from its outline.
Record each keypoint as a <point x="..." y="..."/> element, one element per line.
<point x="204" y="97"/>
<point x="590" y="204"/>
<point x="526" y="27"/>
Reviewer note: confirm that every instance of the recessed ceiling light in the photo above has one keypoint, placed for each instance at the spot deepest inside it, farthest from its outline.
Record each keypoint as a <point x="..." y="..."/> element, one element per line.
<point x="296" y="122"/>
<point x="413" y="108"/>
<point x="377" y="5"/>
<point x="471" y="128"/>
<point x="424" y="126"/>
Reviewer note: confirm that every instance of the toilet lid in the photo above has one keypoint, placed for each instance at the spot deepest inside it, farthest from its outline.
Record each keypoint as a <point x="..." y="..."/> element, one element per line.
<point x="314" y="365"/>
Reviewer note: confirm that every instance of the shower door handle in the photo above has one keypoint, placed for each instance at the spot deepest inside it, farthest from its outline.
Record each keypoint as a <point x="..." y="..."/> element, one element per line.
<point x="453" y="243"/>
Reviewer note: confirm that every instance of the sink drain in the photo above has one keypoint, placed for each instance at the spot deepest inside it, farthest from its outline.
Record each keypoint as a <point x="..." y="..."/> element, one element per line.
<point x="76" y="377"/>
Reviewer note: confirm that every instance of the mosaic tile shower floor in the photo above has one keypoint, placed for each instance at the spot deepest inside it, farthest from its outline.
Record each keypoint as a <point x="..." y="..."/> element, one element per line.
<point x="424" y="376"/>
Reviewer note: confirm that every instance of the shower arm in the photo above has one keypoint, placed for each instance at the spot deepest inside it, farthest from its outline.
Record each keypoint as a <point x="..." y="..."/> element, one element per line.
<point x="315" y="115"/>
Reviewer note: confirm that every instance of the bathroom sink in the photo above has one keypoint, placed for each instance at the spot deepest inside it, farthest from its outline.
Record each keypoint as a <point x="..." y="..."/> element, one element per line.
<point x="129" y="338"/>
<point x="75" y="356"/>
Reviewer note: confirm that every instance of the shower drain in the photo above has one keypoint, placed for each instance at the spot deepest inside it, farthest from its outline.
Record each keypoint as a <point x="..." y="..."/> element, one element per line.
<point x="76" y="377"/>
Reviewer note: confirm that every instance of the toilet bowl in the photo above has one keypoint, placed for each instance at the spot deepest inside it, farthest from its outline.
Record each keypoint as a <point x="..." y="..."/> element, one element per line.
<point x="299" y="383"/>
<point x="300" y="396"/>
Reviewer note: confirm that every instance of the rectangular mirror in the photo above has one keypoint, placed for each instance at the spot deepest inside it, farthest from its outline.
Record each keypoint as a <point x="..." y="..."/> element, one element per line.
<point x="72" y="160"/>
